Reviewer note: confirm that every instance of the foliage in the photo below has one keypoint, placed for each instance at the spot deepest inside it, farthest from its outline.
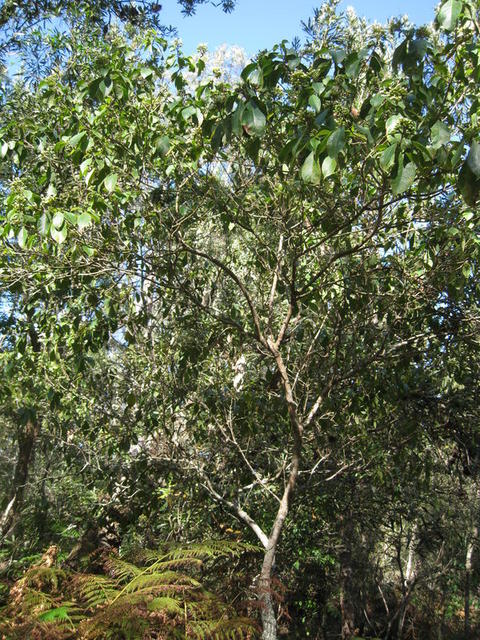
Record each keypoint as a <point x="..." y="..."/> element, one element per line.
<point x="148" y="595"/>
<point x="256" y="294"/>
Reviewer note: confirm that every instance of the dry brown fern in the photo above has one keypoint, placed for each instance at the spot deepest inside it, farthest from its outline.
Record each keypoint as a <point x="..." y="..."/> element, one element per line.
<point x="148" y="595"/>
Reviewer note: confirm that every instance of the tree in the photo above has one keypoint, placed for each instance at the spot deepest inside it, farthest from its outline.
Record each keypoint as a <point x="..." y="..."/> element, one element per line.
<point x="276" y="249"/>
<point x="17" y="19"/>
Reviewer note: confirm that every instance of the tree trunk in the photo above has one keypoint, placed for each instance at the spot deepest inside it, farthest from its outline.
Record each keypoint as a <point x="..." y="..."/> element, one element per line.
<point x="26" y="446"/>
<point x="269" y="618"/>
<point x="346" y="607"/>
<point x="468" y="575"/>
<point x="346" y="576"/>
<point x="265" y="591"/>
<point x="407" y="580"/>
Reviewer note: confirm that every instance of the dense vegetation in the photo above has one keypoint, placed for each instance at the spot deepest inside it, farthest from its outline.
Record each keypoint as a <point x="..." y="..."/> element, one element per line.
<point x="239" y="322"/>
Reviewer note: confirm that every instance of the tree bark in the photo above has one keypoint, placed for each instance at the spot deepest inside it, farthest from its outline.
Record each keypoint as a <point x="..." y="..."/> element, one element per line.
<point x="468" y="576"/>
<point x="346" y="576"/>
<point x="409" y="572"/>
<point x="26" y="446"/>
<point x="267" y="612"/>
<point x="265" y="591"/>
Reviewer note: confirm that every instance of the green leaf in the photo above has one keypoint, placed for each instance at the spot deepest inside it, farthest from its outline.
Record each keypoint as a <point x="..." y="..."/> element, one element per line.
<point x="248" y="70"/>
<point x="60" y="613"/>
<point x="237" y="119"/>
<point x="51" y="191"/>
<point x="377" y="100"/>
<point x="315" y="102"/>
<point x="110" y="182"/>
<point x="440" y="135"/>
<point x="388" y="157"/>
<point x="162" y="145"/>
<point x="59" y="235"/>
<point x="22" y="238"/>
<point x="188" y="112"/>
<point x="310" y="170"/>
<point x="58" y="220"/>
<point x="84" y="166"/>
<point x="328" y="166"/>
<point x="449" y="13"/>
<point x="336" y="142"/>
<point x="256" y="77"/>
<point x="468" y="184"/>
<point x="89" y="176"/>
<point x="105" y="86"/>
<point x="84" y="220"/>
<point x="392" y="124"/>
<point x="253" y="119"/>
<point x="400" y="54"/>
<point x="76" y="139"/>
<point x="404" y="178"/>
<point x="146" y="72"/>
<point x="473" y="158"/>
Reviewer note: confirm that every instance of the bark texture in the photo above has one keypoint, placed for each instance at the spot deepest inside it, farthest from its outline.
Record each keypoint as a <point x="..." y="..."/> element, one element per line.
<point x="26" y="446"/>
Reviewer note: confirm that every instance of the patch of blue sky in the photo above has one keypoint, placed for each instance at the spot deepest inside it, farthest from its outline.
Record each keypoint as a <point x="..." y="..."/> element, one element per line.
<point x="259" y="24"/>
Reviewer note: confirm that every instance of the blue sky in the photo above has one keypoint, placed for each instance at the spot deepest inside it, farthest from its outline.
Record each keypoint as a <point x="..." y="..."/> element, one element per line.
<point x="257" y="24"/>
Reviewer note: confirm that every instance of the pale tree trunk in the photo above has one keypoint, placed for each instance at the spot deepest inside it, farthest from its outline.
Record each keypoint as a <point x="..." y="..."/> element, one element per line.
<point x="468" y="575"/>
<point x="265" y="591"/>
<point x="26" y="446"/>
<point x="407" y="582"/>
<point x="267" y="612"/>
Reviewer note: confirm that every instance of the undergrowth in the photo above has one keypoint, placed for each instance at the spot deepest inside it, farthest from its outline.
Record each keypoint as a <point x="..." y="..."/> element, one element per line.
<point x="147" y="594"/>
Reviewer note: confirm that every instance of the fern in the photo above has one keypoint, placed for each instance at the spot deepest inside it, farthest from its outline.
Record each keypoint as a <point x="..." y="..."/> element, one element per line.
<point x="95" y="590"/>
<point x="143" y="595"/>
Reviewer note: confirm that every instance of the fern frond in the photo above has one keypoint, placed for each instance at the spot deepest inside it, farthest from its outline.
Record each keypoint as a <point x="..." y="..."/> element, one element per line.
<point x="153" y="558"/>
<point x="121" y="569"/>
<point x="34" y="601"/>
<point x="152" y="580"/>
<point x="207" y="550"/>
<point x="96" y="590"/>
<point x="230" y="629"/>
<point x="166" y="604"/>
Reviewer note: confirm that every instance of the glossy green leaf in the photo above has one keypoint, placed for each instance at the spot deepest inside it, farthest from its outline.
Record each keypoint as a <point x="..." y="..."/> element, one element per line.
<point x="110" y="182"/>
<point x="84" y="220"/>
<point x="43" y="224"/>
<point x="440" y="134"/>
<point x="405" y="178"/>
<point x="315" y="102"/>
<point x="75" y="140"/>
<point x="253" y="119"/>
<point x="328" y="166"/>
<point x="468" y="185"/>
<point x="58" y="219"/>
<point x="310" y="170"/>
<point x="392" y="124"/>
<point x="22" y="238"/>
<point x="449" y="13"/>
<point x="336" y="142"/>
<point x="473" y="158"/>
<point x="59" y="235"/>
<point x="162" y="145"/>
<point x="387" y="158"/>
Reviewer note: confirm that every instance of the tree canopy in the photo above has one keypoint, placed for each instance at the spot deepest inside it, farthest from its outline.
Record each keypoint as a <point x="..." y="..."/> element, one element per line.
<point x="245" y="307"/>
